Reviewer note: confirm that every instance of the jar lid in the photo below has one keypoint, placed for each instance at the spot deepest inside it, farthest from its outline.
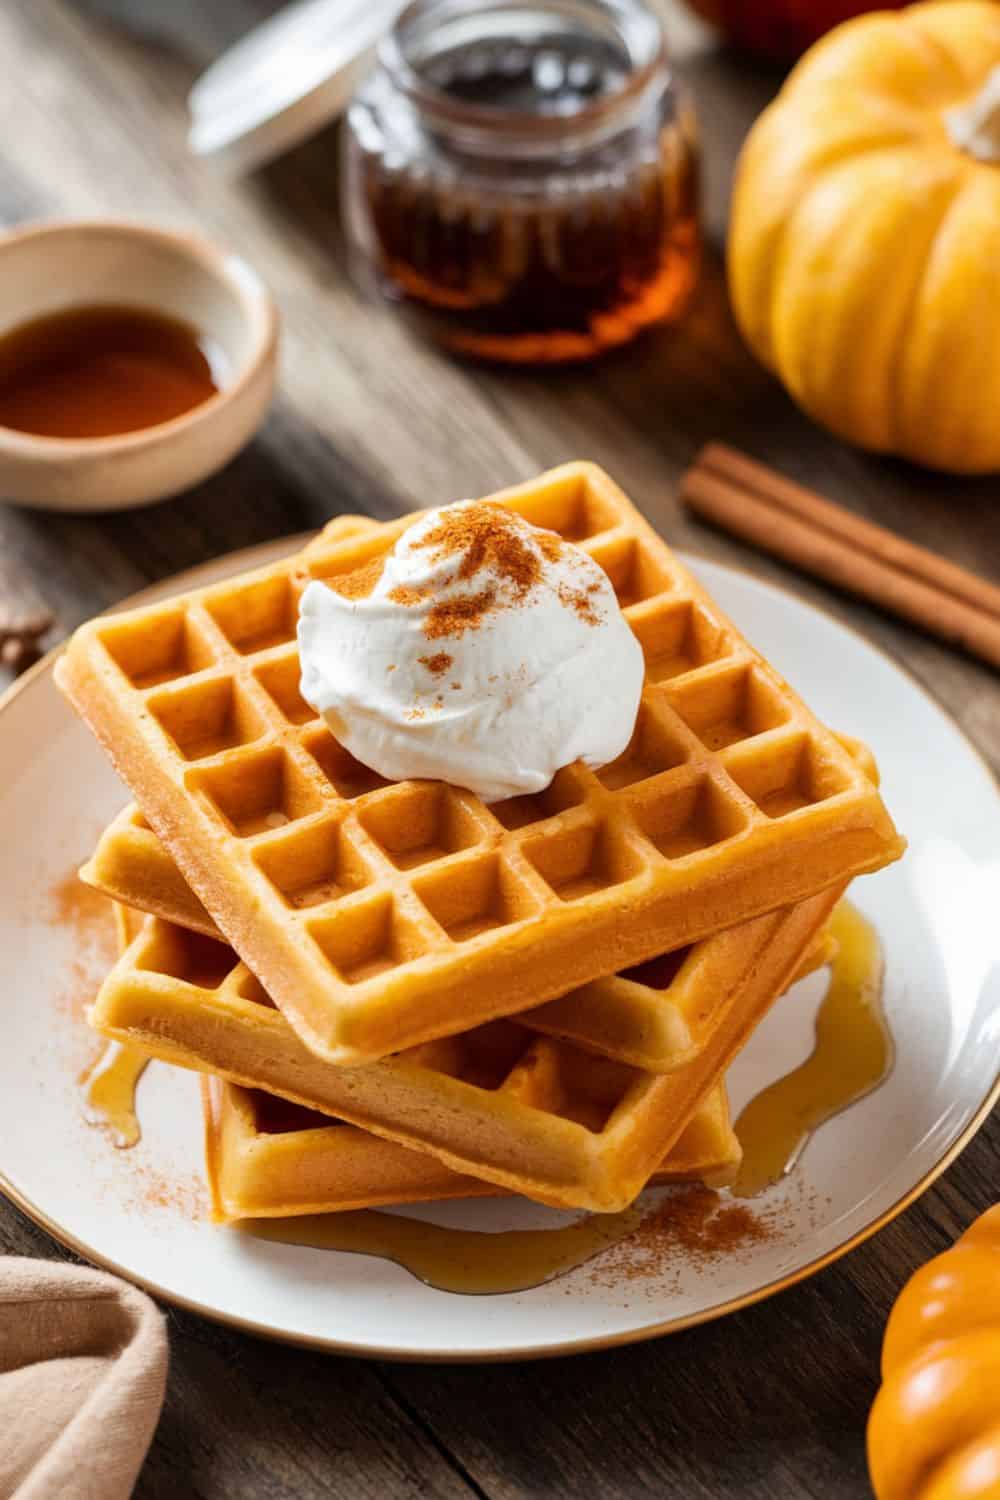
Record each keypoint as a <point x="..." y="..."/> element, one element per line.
<point x="285" y="79"/>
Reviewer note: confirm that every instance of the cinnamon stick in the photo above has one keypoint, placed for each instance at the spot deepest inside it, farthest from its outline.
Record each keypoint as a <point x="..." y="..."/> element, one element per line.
<point x="790" y="522"/>
<point x="895" y="550"/>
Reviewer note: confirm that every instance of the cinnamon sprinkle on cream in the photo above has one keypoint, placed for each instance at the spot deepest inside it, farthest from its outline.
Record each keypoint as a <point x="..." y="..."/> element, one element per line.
<point x="483" y="535"/>
<point x="486" y="536"/>
<point x="358" y="584"/>
<point x="407" y="595"/>
<point x="437" y="664"/>
<point x="582" y="601"/>
<point x="453" y="617"/>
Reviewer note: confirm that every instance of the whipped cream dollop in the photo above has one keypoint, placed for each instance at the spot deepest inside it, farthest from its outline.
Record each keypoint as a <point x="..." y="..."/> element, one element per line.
<point x="481" y="651"/>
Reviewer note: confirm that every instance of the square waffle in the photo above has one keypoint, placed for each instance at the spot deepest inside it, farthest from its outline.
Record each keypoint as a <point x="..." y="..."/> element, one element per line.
<point x="532" y="1114"/>
<point x="268" y="1158"/>
<point x="655" y="1017"/>
<point x="382" y="915"/>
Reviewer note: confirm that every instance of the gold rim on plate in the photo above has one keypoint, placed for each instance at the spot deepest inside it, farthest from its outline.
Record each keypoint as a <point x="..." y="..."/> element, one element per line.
<point x="270" y="551"/>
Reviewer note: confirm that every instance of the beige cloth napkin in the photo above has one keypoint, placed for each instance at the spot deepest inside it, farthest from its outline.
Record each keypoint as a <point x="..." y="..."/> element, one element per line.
<point x="83" y="1365"/>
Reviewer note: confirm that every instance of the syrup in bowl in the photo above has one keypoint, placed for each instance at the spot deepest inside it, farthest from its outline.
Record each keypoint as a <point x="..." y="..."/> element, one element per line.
<point x="99" y="370"/>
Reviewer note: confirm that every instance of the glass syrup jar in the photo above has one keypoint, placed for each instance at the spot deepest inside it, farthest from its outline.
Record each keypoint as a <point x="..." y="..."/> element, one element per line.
<point x="520" y="179"/>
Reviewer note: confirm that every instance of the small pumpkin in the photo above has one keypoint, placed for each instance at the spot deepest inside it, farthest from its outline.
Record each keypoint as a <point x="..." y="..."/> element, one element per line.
<point x="782" y="29"/>
<point x="934" y="1431"/>
<point x="864" y="251"/>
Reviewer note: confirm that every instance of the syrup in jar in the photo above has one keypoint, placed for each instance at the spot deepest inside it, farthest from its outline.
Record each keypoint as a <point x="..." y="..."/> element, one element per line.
<point x="521" y="179"/>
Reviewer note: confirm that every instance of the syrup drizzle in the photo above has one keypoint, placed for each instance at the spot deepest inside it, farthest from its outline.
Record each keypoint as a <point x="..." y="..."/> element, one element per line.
<point x="456" y="1260"/>
<point x="853" y="1054"/>
<point x="108" y="1087"/>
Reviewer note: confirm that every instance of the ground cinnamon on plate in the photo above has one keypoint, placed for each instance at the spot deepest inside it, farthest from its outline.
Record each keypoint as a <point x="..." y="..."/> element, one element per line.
<point x="700" y="1224"/>
<point x="88" y="917"/>
<point x="690" y="1225"/>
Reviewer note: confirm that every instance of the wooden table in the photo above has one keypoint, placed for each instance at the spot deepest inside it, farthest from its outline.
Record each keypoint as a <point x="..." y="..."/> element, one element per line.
<point x="771" y="1402"/>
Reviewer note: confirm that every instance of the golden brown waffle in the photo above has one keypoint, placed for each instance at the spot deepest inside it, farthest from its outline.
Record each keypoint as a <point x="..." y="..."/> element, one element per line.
<point x="655" y="1017"/>
<point x="383" y="915"/>
<point x="268" y="1158"/>
<point x="532" y="1114"/>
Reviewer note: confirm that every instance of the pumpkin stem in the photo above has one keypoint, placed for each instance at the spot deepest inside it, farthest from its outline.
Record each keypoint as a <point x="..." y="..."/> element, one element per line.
<point x="975" y="127"/>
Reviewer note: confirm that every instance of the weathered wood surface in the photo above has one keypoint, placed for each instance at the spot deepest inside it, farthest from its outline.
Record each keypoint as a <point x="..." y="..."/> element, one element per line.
<point x="770" y="1402"/>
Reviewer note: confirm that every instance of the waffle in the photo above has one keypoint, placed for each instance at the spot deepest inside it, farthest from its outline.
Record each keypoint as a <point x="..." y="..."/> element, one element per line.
<point x="382" y="915"/>
<point x="654" y="1018"/>
<point x="531" y="1114"/>
<point x="268" y="1158"/>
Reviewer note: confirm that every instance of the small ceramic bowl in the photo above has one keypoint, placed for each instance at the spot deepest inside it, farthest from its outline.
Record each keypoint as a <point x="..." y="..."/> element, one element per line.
<point x="49" y="268"/>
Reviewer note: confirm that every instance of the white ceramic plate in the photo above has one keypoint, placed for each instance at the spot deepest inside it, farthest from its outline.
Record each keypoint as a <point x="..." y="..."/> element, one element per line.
<point x="138" y="1211"/>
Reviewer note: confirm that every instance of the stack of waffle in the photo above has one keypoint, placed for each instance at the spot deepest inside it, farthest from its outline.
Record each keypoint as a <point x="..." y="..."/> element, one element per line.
<point x="398" y="993"/>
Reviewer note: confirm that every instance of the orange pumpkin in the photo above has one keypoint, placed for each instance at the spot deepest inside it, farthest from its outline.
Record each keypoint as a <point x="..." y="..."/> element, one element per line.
<point x="864" y="244"/>
<point x="934" y="1431"/>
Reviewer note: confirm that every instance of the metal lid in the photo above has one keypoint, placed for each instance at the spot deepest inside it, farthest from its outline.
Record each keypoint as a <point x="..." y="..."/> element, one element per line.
<point x="285" y="79"/>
